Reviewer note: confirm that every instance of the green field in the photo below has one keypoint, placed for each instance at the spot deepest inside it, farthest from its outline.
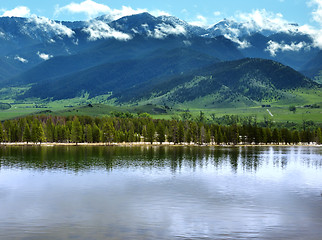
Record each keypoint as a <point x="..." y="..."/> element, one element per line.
<point x="99" y="106"/>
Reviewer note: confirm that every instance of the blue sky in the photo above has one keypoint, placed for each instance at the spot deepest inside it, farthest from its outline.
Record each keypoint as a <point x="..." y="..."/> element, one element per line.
<point x="206" y="12"/>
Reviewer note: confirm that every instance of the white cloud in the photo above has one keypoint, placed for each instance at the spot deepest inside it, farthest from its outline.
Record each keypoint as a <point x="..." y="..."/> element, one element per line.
<point x="262" y="20"/>
<point x="274" y="47"/>
<point x="100" y="30"/>
<point x="315" y="34"/>
<point x="50" y="25"/>
<point x="317" y="13"/>
<point x="241" y="44"/>
<point x="162" y="30"/>
<point x="259" y="20"/>
<point x="200" y="22"/>
<point x="158" y="13"/>
<point x="93" y="9"/>
<point x="44" y="56"/>
<point x="217" y="13"/>
<point x="20" y="11"/>
<point x="88" y="7"/>
<point x="20" y="59"/>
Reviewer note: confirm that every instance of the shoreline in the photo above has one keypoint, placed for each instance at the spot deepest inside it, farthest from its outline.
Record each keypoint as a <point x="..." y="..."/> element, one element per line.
<point x="156" y="144"/>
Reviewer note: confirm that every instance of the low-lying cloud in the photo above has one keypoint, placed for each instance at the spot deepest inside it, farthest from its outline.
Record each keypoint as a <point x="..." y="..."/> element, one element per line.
<point x="51" y="26"/>
<point x="100" y="30"/>
<point x="273" y="47"/>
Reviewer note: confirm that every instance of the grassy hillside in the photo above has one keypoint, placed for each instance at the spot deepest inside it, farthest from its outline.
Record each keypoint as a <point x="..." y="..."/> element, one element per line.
<point x="246" y="82"/>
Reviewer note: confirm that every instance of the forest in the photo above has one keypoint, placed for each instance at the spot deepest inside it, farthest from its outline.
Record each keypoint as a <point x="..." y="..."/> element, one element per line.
<point x="120" y="128"/>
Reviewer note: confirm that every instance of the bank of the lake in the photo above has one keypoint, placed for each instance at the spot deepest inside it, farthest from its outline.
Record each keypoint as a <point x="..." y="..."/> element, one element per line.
<point x="129" y="144"/>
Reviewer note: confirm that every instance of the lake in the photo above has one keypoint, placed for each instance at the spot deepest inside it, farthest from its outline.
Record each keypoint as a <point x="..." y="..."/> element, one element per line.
<point x="160" y="192"/>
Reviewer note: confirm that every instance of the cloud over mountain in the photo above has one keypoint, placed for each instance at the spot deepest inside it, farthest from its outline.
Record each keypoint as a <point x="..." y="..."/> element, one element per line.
<point x="20" y="11"/>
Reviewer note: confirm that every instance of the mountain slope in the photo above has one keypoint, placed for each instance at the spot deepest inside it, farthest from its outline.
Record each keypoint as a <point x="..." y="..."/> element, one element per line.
<point x="119" y="76"/>
<point x="246" y="81"/>
<point x="314" y="67"/>
<point x="113" y="51"/>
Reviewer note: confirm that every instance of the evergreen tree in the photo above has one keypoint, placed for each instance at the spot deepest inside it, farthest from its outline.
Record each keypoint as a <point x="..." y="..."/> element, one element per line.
<point x="26" y="137"/>
<point x="188" y="136"/>
<point x="76" y="131"/>
<point x="131" y="134"/>
<point x="37" y="132"/>
<point x="268" y="135"/>
<point x="161" y="132"/>
<point x="108" y="132"/>
<point x="1" y="133"/>
<point x="295" y="137"/>
<point x="144" y="133"/>
<point x="180" y="132"/>
<point x="50" y="130"/>
<point x="150" y="132"/>
<point x="96" y="134"/>
<point x="319" y="136"/>
<point x="275" y="136"/>
<point x="220" y="136"/>
<point x="89" y="133"/>
<point x="235" y="134"/>
<point x="202" y="134"/>
<point x="208" y="136"/>
<point x="194" y="132"/>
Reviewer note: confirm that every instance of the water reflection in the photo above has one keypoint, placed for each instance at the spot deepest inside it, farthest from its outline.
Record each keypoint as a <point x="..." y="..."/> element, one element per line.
<point x="160" y="193"/>
<point x="77" y="159"/>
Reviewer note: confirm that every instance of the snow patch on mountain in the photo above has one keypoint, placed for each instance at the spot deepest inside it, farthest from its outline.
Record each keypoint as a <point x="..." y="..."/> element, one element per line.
<point x="20" y="59"/>
<point x="163" y="30"/>
<point x="44" y="56"/>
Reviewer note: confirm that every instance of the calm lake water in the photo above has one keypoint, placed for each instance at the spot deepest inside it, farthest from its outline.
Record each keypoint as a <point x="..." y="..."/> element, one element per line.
<point x="160" y="193"/>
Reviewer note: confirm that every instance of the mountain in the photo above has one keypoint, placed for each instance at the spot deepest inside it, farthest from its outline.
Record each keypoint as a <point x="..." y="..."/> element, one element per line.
<point x="313" y="68"/>
<point x="119" y="76"/>
<point x="243" y="82"/>
<point x="134" y="54"/>
<point x="113" y="51"/>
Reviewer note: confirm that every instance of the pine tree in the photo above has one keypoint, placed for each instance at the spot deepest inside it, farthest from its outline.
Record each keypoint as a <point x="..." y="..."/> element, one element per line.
<point x="1" y="133"/>
<point x="96" y="133"/>
<point x="208" y="136"/>
<point x="161" y="132"/>
<point x="235" y="134"/>
<point x="37" y="132"/>
<point x="180" y="132"/>
<point x="76" y="131"/>
<point x="50" y="130"/>
<point x="26" y="137"/>
<point x="275" y="136"/>
<point x="108" y="132"/>
<point x="188" y="136"/>
<point x="89" y="133"/>
<point x="296" y="137"/>
<point x="131" y="134"/>
<point x="144" y="133"/>
<point x="150" y="132"/>
<point x="319" y="136"/>
<point x="194" y="132"/>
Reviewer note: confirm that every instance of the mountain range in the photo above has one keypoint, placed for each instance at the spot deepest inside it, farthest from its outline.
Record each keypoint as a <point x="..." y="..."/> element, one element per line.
<point x="162" y="58"/>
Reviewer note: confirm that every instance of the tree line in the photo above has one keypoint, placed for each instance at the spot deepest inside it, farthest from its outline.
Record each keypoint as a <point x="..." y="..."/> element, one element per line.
<point x="113" y="129"/>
